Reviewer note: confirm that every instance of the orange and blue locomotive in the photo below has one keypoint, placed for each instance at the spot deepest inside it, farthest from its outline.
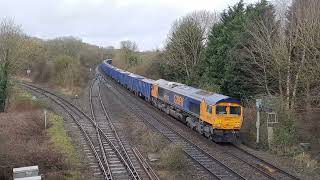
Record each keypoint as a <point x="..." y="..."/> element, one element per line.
<point x="216" y="116"/>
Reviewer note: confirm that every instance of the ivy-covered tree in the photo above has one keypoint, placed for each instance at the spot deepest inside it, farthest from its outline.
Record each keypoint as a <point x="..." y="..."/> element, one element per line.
<point x="10" y="36"/>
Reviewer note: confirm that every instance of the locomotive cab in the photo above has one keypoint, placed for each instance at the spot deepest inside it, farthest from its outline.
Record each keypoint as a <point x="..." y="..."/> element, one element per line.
<point x="227" y="116"/>
<point x="225" y="119"/>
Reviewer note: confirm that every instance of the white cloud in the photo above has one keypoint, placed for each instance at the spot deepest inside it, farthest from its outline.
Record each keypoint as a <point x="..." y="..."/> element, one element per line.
<point x="105" y="22"/>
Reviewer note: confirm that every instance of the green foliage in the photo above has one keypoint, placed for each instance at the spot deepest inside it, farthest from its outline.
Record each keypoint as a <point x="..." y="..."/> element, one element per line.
<point x="285" y="134"/>
<point x="62" y="61"/>
<point x="10" y="36"/>
<point x="128" y="54"/>
<point x="21" y="96"/>
<point x="3" y="85"/>
<point x="223" y="63"/>
<point x="172" y="73"/>
<point x="285" y="131"/>
<point x="68" y="71"/>
<point x="61" y="141"/>
<point x="132" y="60"/>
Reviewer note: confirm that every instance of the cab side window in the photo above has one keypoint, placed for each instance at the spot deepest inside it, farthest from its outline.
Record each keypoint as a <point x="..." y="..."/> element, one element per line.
<point x="221" y="110"/>
<point x="209" y="109"/>
<point x="235" y="110"/>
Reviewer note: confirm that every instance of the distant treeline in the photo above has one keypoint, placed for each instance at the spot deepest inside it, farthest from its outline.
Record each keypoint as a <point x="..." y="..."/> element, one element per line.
<point x="63" y="62"/>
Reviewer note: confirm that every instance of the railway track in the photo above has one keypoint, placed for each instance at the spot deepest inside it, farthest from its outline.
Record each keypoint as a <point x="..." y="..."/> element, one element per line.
<point x="97" y="138"/>
<point x="99" y="142"/>
<point x="216" y="168"/>
<point x="116" y="155"/>
<point x="87" y="131"/>
<point x="151" y="174"/>
<point x="261" y="165"/>
<point x="258" y="168"/>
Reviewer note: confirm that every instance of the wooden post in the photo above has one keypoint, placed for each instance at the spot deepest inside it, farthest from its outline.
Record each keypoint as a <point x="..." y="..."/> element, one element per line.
<point x="271" y="121"/>
<point x="45" y="119"/>
<point x="270" y="135"/>
<point x="258" y="126"/>
<point x="258" y="106"/>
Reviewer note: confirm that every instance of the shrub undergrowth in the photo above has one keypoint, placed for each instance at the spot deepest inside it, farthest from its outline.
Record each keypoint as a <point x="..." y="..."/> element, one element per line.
<point x="172" y="157"/>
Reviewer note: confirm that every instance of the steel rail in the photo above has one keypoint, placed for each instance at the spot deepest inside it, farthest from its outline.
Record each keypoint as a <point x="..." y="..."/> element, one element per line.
<point x="265" y="162"/>
<point x="261" y="171"/>
<point x="76" y="108"/>
<point x="130" y="165"/>
<point x="66" y="107"/>
<point x="151" y="174"/>
<point x="102" y="149"/>
<point x="192" y="150"/>
<point x="126" y="161"/>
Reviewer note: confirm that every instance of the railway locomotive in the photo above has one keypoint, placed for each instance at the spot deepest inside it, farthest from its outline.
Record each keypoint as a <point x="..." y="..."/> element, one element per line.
<point x="216" y="116"/>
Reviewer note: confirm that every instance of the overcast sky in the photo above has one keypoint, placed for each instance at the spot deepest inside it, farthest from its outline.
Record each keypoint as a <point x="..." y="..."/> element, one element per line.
<point x="105" y="22"/>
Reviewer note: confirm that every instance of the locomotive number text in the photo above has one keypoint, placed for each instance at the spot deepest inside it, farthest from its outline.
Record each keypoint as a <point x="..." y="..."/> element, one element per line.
<point x="178" y="100"/>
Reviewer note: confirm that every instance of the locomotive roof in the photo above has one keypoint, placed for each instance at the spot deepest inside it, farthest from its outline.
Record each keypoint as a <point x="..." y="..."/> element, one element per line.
<point x="147" y="80"/>
<point x="136" y="76"/>
<point x="198" y="94"/>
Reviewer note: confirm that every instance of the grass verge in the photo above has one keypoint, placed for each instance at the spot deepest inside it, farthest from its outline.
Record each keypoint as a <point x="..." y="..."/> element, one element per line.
<point x="63" y="143"/>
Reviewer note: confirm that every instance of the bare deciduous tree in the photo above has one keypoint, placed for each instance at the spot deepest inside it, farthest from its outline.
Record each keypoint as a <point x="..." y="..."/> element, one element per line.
<point x="10" y="35"/>
<point x="187" y="38"/>
<point x="290" y="58"/>
<point x="128" y="51"/>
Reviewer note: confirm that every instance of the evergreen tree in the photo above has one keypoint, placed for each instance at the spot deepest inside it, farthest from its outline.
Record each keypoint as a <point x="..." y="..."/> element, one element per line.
<point x="223" y="63"/>
<point x="223" y="38"/>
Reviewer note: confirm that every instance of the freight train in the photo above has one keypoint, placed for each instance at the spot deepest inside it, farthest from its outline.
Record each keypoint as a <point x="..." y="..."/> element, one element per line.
<point x="215" y="116"/>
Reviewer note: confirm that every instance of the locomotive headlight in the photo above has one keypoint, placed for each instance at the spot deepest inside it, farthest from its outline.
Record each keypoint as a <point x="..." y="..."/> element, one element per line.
<point x="237" y="125"/>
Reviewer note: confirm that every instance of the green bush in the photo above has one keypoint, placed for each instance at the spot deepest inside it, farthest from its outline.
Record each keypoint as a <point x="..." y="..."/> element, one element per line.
<point x="285" y="132"/>
<point x="3" y="85"/>
<point x="68" y="72"/>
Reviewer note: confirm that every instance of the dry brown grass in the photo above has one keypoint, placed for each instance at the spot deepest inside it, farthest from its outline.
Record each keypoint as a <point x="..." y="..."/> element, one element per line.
<point x="307" y="162"/>
<point x="248" y="129"/>
<point x="172" y="158"/>
<point x="25" y="142"/>
<point x="153" y="142"/>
